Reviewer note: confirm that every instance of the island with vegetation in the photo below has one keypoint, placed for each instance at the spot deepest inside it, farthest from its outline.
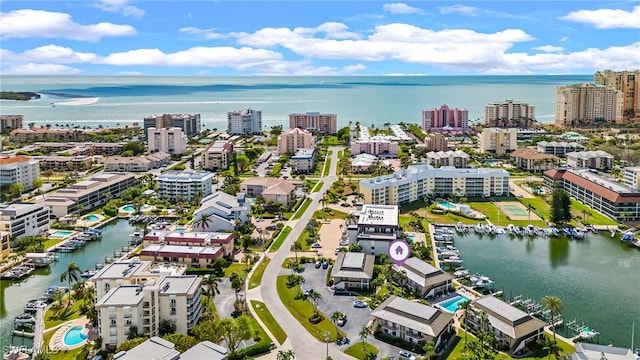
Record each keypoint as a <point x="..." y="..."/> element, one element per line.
<point x="18" y="95"/>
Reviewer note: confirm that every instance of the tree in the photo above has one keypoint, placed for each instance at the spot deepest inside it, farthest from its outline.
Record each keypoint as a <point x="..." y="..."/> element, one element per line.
<point x="134" y="147"/>
<point x="47" y="173"/>
<point x="286" y="355"/>
<point x="133" y="332"/>
<point x="295" y="247"/>
<point x="242" y="161"/>
<point x="364" y="334"/>
<point x="337" y="315"/>
<point x="554" y="305"/>
<point x="236" y="283"/>
<point x="130" y="344"/>
<point x="71" y="274"/>
<point x="429" y="349"/>
<point x="466" y="308"/>
<point x="234" y="331"/>
<point x="182" y="342"/>
<point x="166" y="327"/>
<point x="15" y="190"/>
<point x="313" y="298"/>
<point x="37" y="183"/>
<point x="276" y="130"/>
<point x="557" y="215"/>
<point x="204" y="221"/>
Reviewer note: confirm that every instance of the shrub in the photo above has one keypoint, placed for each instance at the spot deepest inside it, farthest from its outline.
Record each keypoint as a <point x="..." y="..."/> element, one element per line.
<point x="256" y="349"/>
<point x="316" y="319"/>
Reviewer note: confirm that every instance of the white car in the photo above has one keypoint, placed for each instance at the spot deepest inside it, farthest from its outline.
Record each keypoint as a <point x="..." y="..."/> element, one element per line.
<point x="406" y="355"/>
<point x="316" y="246"/>
<point x="343" y="242"/>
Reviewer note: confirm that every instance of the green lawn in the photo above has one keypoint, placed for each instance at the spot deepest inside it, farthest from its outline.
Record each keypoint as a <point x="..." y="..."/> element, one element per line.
<point x="356" y="351"/>
<point x="595" y="218"/>
<point x="51" y="242"/>
<point x="280" y="239"/>
<point x="327" y="167"/>
<point x="302" y="209"/>
<point x="317" y="187"/>
<point x="234" y="267"/>
<point x="491" y="211"/>
<point x="329" y="215"/>
<point x="302" y="239"/>
<point x="269" y="321"/>
<point x="53" y="318"/>
<point x="256" y="277"/>
<point x="302" y="310"/>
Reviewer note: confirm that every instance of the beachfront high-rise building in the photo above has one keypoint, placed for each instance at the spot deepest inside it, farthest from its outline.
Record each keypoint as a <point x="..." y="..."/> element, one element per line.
<point x="499" y="141"/>
<point x="509" y="114"/>
<point x="19" y="169"/>
<point x="315" y="121"/>
<point x="188" y="123"/>
<point x="445" y="119"/>
<point x="171" y="141"/>
<point x="626" y="81"/>
<point x="10" y="122"/>
<point x="295" y="138"/>
<point x="587" y="104"/>
<point x="244" y="122"/>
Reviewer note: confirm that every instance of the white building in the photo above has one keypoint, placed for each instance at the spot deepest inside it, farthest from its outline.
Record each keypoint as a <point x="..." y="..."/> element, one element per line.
<point x="302" y="161"/>
<point x="509" y="113"/>
<point x="457" y="158"/>
<point x="24" y="219"/>
<point x="596" y="159"/>
<point x="418" y="182"/>
<point x="174" y="185"/>
<point x="171" y="141"/>
<point x="217" y="155"/>
<point x="224" y="211"/>
<point x="244" y="122"/>
<point x="19" y="169"/>
<point x="378" y="226"/>
<point x="499" y="141"/>
<point x="558" y="148"/>
<point x="587" y="104"/>
<point x="632" y="177"/>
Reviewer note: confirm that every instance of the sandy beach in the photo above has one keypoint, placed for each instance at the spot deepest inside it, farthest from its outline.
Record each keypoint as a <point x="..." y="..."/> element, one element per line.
<point x="79" y="101"/>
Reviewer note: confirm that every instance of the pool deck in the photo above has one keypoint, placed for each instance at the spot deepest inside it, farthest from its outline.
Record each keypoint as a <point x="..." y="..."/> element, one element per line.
<point x="57" y="340"/>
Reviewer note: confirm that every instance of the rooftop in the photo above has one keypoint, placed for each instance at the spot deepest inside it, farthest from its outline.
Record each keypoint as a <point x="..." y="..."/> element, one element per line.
<point x="185" y="176"/>
<point x="353" y="265"/>
<point x="378" y="215"/>
<point x="123" y="295"/>
<point x="413" y="315"/>
<point x="19" y="209"/>
<point x="176" y="285"/>
<point x="205" y="350"/>
<point x="154" y="348"/>
<point x="303" y="153"/>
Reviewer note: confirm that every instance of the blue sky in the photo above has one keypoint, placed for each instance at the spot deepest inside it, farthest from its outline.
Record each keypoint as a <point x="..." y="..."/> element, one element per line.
<point x="224" y="38"/>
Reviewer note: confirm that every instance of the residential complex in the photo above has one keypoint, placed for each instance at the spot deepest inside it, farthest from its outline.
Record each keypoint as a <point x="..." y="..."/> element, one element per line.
<point x="418" y="182"/>
<point x="315" y="121"/>
<point x="533" y="160"/>
<point x="412" y="321"/>
<point x="588" y="104"/>
<point x="559" y="148"/>
<point x="136" y="163"/>
<point x="5" y="244"/>
<point x="188" y="123"/>
<point x="422" y="278"/>
<point x="177" y="185"/>
<point x="632" y="177"/>
<point x="509" y="114"/>
<point x="18" y="169"/>
<point x="627" y="82"/>
<point x="89" y="194"/>
<point x="457" y="158"/>
<point x="295" y="138"/>
<point x="271" y="189"/>
<point x="159" y="348"/>
<point x="24" y="219"/>
<point x="217" y="155"/>
<point x="71" y="148"/>
<point x="436" y="142"/>
<point x="377" y="227"/>
<point x="352" y="270"/>
<point x="377" y="147"/>
<point x="244" y="122"/>
<point x="10" y="122"/>
<point x="601" y="194"/>
<point x="302" y="161"/>
<point x="499" y="141"/>
<point x="224" y="212"/>
<point x="597" y="159"/>
<point x="513" y="328"/>
<point x="169" y="140"/>
<point x="362" y="163"/>
<point x="192" y="256"/>
<point x="224" y="241"/>
<point x="445" y="119"/>
<point x="60" y="163"/>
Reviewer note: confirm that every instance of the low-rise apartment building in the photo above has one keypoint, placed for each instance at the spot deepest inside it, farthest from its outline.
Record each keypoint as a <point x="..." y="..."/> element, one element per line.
<point x="225" y="241"/>
<point x="137" y="163"/>
<point x="24" y="219"/>
<point x="559" y="148"/>
<point x="42" y="133"/>
<point x="377" y="147"/>
<point x="303" y="161"/>
<point x="604" y="195"/>
<point x="171" y="140"/>
<point x="89" y="194"/>
<point x="295" y="138"/>
<point x="352" y="270"/>
<point x="18" y="169"/>
<point x="191" y="256"/>
<point x="532" y="160"/>
<point x="499" y="141"/>
<point x="412" y="321"/>
<point x="597" y="159"/>
<point x="418" y="182"/>
<point x="223" y="212"/>
<point x="377" y="227"/>
<point x="271" y="189"/>
<point x="217" y="156"/>
<point x="64" y="163"/>
<point x="159" y="348"/>
<point x="513" y="328"/>
<point x="632" y="177"/>
<point x="457" y="159"/>
<point x="425" y="280"/>
<point x="315" y="121"/>
<point x="185" y="185"/>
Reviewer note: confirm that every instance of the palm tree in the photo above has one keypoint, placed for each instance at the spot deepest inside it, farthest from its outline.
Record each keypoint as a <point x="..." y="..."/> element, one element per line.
<point x="549" y="345"/>
<point x="295" y="247"/>
<point x="466" y="308"/>
<point x="337" y="315"/>
<point x="286" y="355"/>
<point x="314" y="297"/>
<point x="554" y="305"/>
<point x="429" y="349"/>
<point x="71" y="274"/>
<point x="364" y="333"/>
<point x="204" y="221"/>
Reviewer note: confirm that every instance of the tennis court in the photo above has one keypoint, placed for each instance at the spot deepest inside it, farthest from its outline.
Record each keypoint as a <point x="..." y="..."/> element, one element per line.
<point x="516" y="211"/>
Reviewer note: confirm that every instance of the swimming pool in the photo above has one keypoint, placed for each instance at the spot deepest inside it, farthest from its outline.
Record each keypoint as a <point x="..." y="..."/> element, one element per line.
<point x="74" y="336"/>
<point x="453" y="304"/>
<point x="131" y="208"/>
<point x="446" y="205"/>
<point x="181" y="230"/>
<point x="62" y="233"/>
<point x="411" y="237"/>
<point x="128" y="208"/>
<point x="92" y="217"/>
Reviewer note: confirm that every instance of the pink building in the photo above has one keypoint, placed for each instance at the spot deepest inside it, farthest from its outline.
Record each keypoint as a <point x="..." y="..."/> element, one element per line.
<point x="374" y="147"/>
<point x="445" y="119"/>
<point x="295" y="138"/>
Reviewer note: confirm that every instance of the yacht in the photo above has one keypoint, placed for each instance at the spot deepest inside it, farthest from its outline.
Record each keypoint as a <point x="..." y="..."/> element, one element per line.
<point x="88" y="274"/>
<point x="490" y="229"/>
<point x="552" y="231"/>
<point x="479" y="228"/>
<point x="587" y="333"/>
<point x="453" y="260"/>
<point x="51" y="291"/>
<point x="511" y="229"/>
<point x="578" y="233"/>
<point x="461" y="272"/>
<point x="531" y="230"/>
<point x="474" y="278"/>
<point x="135" y="238"/>
<point x="626" y="237"/>
<point x="65" y="248"/>
<point x="34" y="305"/>
<point x="484" y="282"/>
<point x="460" y="227"/>
<point x="25" y="318"/>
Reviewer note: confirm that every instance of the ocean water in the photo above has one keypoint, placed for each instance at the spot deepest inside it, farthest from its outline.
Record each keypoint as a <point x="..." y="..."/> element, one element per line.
<point x="365" y="99"/>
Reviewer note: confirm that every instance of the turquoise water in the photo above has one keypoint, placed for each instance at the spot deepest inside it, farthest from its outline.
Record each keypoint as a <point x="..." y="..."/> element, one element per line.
<point x="181" y="229"/>
<point x="62" y="233"/>
<point x="365" y="99"/>
<point x="74" y="336"/>
<point x="452" y="305"/>
<point x="447" y="205"/>
<point x="128" y="208"/>
<point x="92" y="217"/>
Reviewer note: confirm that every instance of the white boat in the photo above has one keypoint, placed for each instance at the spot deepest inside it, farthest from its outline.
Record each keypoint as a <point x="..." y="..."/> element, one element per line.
<point x="35" y="305"/>
<point x="490" y="229"/>
<point x="25" y="318"/>
<point x="511" y="229"/>
<point x="484" y="282"/>
<point x="531" y="230"/>
<point x="52" y="290"/>
<point x="587" y="333"/>
<point x="500" y="230"/>
<point x="135" y="238"/>
<point x="479" y="228"/>
<point x="578" y="233"/>
<point x="452" y="260"/>
<point x="460" y="227"/>
<point x="474" y="278"/>
<point x="88" y="274"/>
<point x="461" y="272"/>
<point x="39" y="259"/>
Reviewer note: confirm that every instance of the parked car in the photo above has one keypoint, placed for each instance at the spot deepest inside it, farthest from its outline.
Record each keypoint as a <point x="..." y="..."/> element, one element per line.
<point x="316" y="246"/>
<point x="359" y="304"/>
<point x="325" y="265"/>
<point x="308" y="292"/>
<point x="406" y="355"/>
<point x="341" y="321"/>
<point x="344" y="242"/>
<point x="318" y="264"/>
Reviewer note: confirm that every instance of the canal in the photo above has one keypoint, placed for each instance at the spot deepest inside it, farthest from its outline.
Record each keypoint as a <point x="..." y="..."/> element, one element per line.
<point x="13" y="295"/>
<point x="597" y="278"/>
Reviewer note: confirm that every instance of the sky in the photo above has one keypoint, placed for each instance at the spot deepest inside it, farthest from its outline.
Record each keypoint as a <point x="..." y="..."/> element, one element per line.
<point x="248" y="38"/>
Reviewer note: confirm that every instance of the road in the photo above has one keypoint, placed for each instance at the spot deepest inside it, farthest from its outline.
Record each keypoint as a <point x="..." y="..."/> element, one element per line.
<point x="303" y="344"/>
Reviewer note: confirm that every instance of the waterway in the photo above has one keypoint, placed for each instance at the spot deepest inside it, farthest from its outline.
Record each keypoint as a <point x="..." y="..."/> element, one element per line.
<point x="596" y="278"/>
<point x="13" y="295"/>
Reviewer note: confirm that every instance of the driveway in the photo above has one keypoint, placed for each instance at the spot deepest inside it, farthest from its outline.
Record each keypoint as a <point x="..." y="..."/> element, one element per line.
<point x="224" y="300"/>
<point x="517" y="191"/>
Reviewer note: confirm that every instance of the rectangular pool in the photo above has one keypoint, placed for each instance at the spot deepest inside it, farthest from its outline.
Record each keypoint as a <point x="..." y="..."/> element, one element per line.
<point x="453" y="304"/>
<point x="446" y="205"/>
<point x="62" y="233"/>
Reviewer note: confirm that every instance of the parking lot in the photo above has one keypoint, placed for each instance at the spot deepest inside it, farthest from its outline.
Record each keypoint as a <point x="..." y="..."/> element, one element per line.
<point x="357" y="318"/>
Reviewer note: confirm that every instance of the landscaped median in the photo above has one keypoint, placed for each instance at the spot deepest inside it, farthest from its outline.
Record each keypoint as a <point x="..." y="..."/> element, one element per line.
<point x="269" y="321"/>
<point x="302" y="310"/>
<point x="280" y="239"/>
<point x="256" y="277"/>
<point x="361" y="350"/>
<point x="302" y="209"/>
<point x="317" y="187"/>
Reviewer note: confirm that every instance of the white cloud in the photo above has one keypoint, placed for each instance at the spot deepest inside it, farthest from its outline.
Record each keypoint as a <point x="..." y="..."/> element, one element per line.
<point x="607" y="18"/>
<point x="459" y="9"/>
<point x="400" y="8"/>
<point x="120" y="7"/>
<point x="303" y="67"/>
<point x="40" y="69"/>
<point x="30" y="23"/>
<point x="207" y="33"/>
<point x="549" y="48"/>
